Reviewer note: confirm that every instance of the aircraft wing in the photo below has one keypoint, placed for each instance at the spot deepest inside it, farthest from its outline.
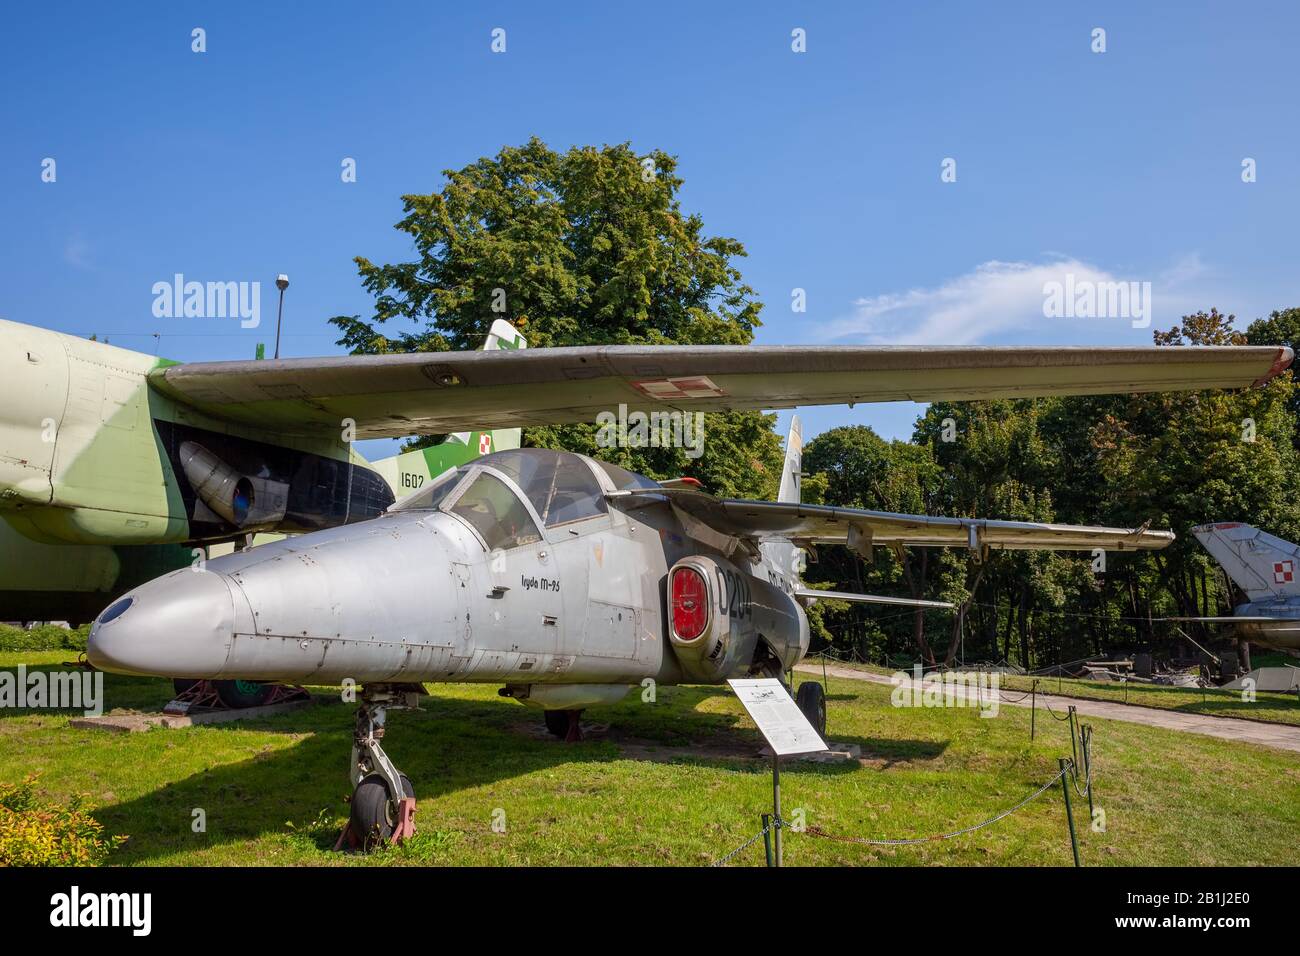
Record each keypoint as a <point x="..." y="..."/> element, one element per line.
<point x="825" y="524"/>
<point x="436" y="392"/>
<point x="1228" y="619"/>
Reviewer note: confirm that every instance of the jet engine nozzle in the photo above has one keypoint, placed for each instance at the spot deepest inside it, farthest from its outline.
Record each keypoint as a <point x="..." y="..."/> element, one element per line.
<point x="244" y="501"/>
<point x="718" y="614"/>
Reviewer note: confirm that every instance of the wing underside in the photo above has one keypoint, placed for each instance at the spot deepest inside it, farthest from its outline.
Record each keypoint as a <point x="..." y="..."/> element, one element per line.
<point x="437" y="392"/>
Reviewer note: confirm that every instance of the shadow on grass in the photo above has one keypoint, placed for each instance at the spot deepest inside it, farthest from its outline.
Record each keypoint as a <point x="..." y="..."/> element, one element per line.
<point x="450" y="745"/>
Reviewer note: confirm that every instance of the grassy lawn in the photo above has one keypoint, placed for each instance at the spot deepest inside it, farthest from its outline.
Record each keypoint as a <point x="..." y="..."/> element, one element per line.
<point x="673" y="782"/>
<point x="1267" y="707"/>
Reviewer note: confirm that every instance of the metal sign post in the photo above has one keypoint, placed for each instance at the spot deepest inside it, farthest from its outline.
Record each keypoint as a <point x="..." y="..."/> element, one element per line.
<point x="776" y="804"/>
<point x="786" y="730"/>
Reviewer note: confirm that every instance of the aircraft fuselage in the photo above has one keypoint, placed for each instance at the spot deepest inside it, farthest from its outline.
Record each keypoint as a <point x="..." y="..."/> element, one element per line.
<point x="429" y="595"/>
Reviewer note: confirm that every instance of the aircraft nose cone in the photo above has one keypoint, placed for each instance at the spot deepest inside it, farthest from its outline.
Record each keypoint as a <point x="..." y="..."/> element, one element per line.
<point x="179" y="625"/>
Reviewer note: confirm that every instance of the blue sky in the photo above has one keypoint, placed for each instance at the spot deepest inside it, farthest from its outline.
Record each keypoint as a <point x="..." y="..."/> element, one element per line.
<point x="225" y="165"/>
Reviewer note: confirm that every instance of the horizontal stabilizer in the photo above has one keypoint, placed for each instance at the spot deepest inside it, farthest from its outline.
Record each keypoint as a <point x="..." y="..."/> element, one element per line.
<point x="812" y="593"/>
<point x="1226" y="619"/>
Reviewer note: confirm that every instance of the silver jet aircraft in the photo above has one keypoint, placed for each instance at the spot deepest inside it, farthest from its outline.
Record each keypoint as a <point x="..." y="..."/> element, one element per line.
<point x="569" y="581"/>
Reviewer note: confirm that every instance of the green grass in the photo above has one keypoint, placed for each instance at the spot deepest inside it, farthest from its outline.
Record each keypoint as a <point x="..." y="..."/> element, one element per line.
<point x="665" y="783"/>
<point x="1267" y="707"/>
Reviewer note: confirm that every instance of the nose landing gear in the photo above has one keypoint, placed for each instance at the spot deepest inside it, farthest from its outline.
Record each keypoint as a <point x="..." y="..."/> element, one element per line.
<point x="383" y="800"/>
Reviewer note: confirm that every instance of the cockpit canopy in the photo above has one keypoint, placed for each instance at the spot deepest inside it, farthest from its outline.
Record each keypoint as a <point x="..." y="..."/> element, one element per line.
<point x="561" y="487"/>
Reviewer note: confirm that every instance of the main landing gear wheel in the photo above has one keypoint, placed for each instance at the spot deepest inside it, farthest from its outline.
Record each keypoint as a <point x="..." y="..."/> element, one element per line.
<point x="811" y="699"/>
<point x="375" y="813"/>
<point x="383" y="800"/>
<point x="237" y="694"/>
<point x="564" y="724"/>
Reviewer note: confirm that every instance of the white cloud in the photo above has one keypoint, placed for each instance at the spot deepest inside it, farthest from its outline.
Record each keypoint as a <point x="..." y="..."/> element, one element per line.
<point x="77" y="252"/>
<point x="997" y="298"/>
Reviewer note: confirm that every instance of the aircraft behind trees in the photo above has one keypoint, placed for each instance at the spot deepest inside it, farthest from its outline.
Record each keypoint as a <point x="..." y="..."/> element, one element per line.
<point x="1265" y="568"/>
<point x="569" y="581"/>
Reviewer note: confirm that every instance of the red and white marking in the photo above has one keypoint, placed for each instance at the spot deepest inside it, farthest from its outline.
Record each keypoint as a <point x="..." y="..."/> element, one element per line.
<point x="1283" y="572"/>
<point x="485" y="443"/>
<point x="675" y="389"/>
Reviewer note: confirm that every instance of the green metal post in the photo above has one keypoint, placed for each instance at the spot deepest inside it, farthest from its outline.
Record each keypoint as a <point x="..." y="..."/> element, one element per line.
<point x="1087" y="768"/>
<point x="767" y="839"/>
<point x="1074" y="749"/>
<point x="1069" y="812"/>
<point x="1033" y="706"/>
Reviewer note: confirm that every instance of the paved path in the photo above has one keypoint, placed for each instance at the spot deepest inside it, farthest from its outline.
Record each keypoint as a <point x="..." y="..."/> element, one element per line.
<point x="1277" y="736"/>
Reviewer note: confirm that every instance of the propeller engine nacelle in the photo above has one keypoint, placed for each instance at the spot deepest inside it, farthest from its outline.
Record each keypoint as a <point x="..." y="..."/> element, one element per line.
<point x="719" y="615"/>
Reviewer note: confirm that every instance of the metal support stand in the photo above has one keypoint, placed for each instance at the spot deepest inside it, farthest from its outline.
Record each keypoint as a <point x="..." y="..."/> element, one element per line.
<point x="202" y="696"/>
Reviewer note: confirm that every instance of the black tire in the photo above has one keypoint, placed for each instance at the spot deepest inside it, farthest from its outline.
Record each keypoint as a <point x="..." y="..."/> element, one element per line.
<point x="238" y="694"/>
<point x="374" y="812"/>
<point x="557" y="723"/>
<point x="811" y="699"/>
<point x="181" y="684"/>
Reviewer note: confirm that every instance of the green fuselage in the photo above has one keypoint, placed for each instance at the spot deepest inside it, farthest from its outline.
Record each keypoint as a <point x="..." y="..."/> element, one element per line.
<point x="98" y="485"/>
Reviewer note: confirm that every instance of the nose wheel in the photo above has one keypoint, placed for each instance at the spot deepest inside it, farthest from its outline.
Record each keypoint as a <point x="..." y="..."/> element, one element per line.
<point x="383" y="801"/>
<point x="377" y="816"/>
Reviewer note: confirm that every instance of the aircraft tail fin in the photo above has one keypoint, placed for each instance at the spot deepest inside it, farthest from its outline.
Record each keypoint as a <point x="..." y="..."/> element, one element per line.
<point x="411" y="470"/>
<point x="503" y="335"/>
<point x="1262" y="565"/>
<point x="791" y="485"/>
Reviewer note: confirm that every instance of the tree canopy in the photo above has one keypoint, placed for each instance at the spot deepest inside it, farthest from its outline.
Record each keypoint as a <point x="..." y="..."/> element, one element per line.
<point x="586" y="246"/>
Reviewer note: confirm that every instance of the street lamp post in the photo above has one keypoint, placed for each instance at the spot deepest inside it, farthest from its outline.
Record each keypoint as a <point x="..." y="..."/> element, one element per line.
<point x="281" y="283"/>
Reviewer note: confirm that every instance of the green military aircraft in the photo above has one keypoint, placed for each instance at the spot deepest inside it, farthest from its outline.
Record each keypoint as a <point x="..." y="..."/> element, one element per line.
<point x="107" y="482"/>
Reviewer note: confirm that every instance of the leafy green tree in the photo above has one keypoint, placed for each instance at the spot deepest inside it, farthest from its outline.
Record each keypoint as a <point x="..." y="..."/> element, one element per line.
<point x="587" y="246"/>
<point x="1282" y="327"/>
<point x="858" y="469"/>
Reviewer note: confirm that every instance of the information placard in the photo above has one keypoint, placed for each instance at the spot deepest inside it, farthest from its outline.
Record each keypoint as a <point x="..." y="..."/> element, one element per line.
<point x="778" y="717"/>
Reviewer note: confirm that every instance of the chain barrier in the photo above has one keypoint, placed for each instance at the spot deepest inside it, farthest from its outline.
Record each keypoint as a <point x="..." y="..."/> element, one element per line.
<point x="723" y="861"/>
<point x="1049" y="708"/>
